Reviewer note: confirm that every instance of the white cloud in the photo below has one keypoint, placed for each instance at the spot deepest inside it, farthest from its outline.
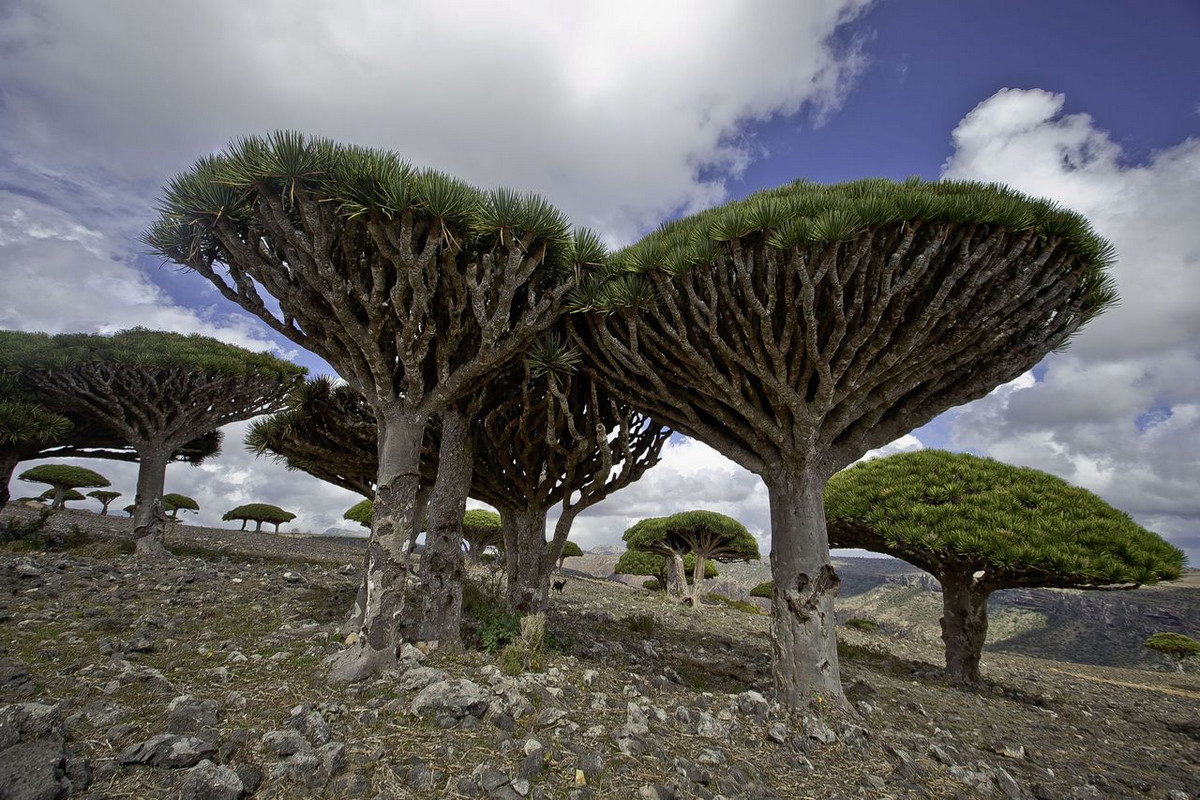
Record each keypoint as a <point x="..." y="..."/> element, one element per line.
<point x="611" y="109"/>
<point x="1116" y="412"/>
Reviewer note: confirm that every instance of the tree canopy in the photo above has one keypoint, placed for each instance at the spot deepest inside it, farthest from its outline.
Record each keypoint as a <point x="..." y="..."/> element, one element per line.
<point x="174" y="503"/>
<point x="360" y="512"/>
<point x="980" y="525"/>
<point x="414" y="286"/>
<point x="1177" y="646"/>
<point x="481" y="529"/>
<point x="62" y="499"/>
<point x="105" y="498"/>
<point x="63" y="477"/>
<point x="258" y="513"/>
<point x="639" y="562"/>
<point x="796" y="329"/>
<point x="156" y="391"/>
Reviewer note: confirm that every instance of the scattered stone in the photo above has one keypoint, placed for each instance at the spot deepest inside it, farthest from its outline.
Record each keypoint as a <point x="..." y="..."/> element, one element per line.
<point x="310" y="724"/>
<point x="208" y="781"/>
<point x="419" y="677"/>
<point x="187" y="714"/>
<point x="457" y="698"/>
<point x="754" y="705"/>
<point x="15" y="678"/>
<point x="169" y="751"/>
<point x="284" y="743"/>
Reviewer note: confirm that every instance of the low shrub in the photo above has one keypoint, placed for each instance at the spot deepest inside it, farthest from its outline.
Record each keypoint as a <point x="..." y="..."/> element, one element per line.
<point x="864" y="625"/>
<point x="528" y="652"/>
<point x="737" y="605"/>
<point x="765" y="589"/>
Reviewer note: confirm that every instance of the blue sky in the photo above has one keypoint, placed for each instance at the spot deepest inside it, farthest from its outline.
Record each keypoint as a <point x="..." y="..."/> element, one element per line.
<point x="625" y="114"/>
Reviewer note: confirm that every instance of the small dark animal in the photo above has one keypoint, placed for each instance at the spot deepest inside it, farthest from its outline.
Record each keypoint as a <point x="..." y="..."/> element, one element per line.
<point x="559" y="584"/>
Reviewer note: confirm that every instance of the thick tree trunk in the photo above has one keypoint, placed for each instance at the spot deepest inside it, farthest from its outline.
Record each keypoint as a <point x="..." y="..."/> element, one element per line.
<point x="149" y="519"/>
<point x="676" y="577"/>
<point x="243" y="525"/>
<point x="380" y="611"/>
<point x="523" y="561"/>
<point x="964" y="627"/>
<point x="258" y="526"/>
<point x="697" y="580"/>
<point x="443" y="570"/>
<point x="418" y="526"/>
<point x="60" y="493"/>
<point x="8" y="465"/>
<point x="804" y="643"/>
<point x="554" y="557"/>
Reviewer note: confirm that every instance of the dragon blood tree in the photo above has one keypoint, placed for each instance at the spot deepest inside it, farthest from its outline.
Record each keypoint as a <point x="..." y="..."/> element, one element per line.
<point x="157" y="392"/>
<point x="980" y="525"/>
<point x="105" y="499"/>
<point x="550" y="435"/>
<point x="667" y="575"/>
<point x="63" y="478"/>
<point x="258" y="513"/>
<point x="414" y="286"/>
<point x="547" y="435"/>
<point x="174" y="502"/>
<point x="710" y="536"/>
<point x="481" y="530"/>
<point x="796" y="329"/>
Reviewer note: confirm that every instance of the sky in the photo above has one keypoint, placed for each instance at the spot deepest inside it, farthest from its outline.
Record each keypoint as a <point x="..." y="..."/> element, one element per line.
<point x="624" y="115"/>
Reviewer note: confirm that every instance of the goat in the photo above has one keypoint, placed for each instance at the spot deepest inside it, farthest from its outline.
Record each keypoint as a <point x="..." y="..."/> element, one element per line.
<point x="559" y="583"/>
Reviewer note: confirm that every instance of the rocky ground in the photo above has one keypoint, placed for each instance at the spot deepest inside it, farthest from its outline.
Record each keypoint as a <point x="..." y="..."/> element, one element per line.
<point x="201" y="676"/>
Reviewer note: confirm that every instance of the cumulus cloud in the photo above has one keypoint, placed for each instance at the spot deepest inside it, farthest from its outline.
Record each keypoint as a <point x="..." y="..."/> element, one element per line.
<point x="1119" y="411"/>
<point x="614" y="110"/>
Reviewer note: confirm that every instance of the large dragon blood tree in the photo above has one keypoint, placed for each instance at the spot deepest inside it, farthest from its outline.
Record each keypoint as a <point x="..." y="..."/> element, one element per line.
<point x="31" y="427"/>
<point x="981" y="525"/>
<point x="796" y="329"/>
<point x="155" y="391"/>
<point x="414" y="286"/>
<point x="547" y="436"/>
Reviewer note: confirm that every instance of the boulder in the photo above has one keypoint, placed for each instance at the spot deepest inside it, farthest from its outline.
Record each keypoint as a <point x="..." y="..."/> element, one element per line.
<point x="208" y="781"/>
<point x="456" y="698"/>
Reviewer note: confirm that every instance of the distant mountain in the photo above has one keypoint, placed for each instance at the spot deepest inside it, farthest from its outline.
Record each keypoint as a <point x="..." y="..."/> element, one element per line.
<point x="606" y="550"/>
<point x="350" y="533"/>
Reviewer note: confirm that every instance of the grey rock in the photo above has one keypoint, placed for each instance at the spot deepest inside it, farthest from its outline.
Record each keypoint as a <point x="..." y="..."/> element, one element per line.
<point x="632" y="746"/>
<point x="250" y="775"/>
<point x="208" y="781"/>
<point x="187" y="714"/>
<point x="350" y="784"/>
<point x="490" y="777"/>
<point x="33" y="771"/>
<point x="976" y="779"/>
<point x="692" y="771"/>
<point x="709" y="726"/>
<point x="310" y="724"/>
<point x="589" y="761"/>
<point x="458" y="698"/>
<point x="753" y="704"/>
<point x="285" y="743"/>
<point x="818" y="731"/>
<point x="636" y="723"/>
<point x="27" y="570"/>
<point x="420" y="677"/>
<point x="169" y="751"/>
<point x="420" y="777"/>
<point x="533" y="765"/>
<point x="778" y="732"/>
<point x="946" y="755"/>
<point x="21" y="722"/>
<point x="15" y="678"/>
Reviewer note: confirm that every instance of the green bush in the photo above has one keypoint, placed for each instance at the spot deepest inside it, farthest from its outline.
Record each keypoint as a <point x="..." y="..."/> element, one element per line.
<point x="528" y="652"/>
<point x="737" y="605"/>
<point x="765" y="589"/>
<point x="1176" y="645"/>
<point x="860" y="624"/>
<point x="654" y="585"/>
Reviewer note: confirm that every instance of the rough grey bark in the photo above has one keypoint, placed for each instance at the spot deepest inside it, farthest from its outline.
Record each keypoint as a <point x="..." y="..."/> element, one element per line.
<point x="157" y="411"/>
<point x="381" y="606"/>
<point x="676" y="575"/>
<point x="523" y="558"/>
<point x="804" y="642"/>
<point x="8" y="464"/>
<point x="443" y="571"/>
<point x="964" y="627"/>
<point x="149" y="519"/>
<point x="811" y="355"/>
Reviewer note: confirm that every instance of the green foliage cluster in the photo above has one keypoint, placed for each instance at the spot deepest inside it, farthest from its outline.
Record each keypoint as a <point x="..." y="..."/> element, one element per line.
<point x="64" y="476"/>
<point x="765" y="589"/>
<point x="361" y="512"/>
<point x="24" y="420"/>
<point x="1176" y="645"/>
<point x="139" y="347"/>
<point x="69" y="495"/>
<point x="642" y="624"/>
<point x="860" y="624"/>
<point x="259" y="512"/>
<point x="571" y="550"/>
<point x="478" y="519"/>
<point x="528" y="652"/>
<point x="713" y="598"/>
<point x="174" y="503"/>
<point x="1020" y="520"/>
<point x="358" y="184"/>
<point x="104" y="496"/>
<point x="806" y="215"/>
<point x="637" y="562"/>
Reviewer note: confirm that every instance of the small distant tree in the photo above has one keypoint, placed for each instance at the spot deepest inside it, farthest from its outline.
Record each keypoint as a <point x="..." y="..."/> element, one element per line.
<point x="130" y="509"/>
<point x="105" y="498"/>
<point x="156" y="391"/>
<point x="63" y="477"/>
<point x="980" y="525"/>
<point x="481" y="529"/>
<point x="174" y="503"/>
<point x="570" y="550"/>
<point x="711" y="537"/>
<point x="664" y="570"/>
<point x="259" y="513"/>
<point x="1177" y="646"/>
<point x="53" y="496"/>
